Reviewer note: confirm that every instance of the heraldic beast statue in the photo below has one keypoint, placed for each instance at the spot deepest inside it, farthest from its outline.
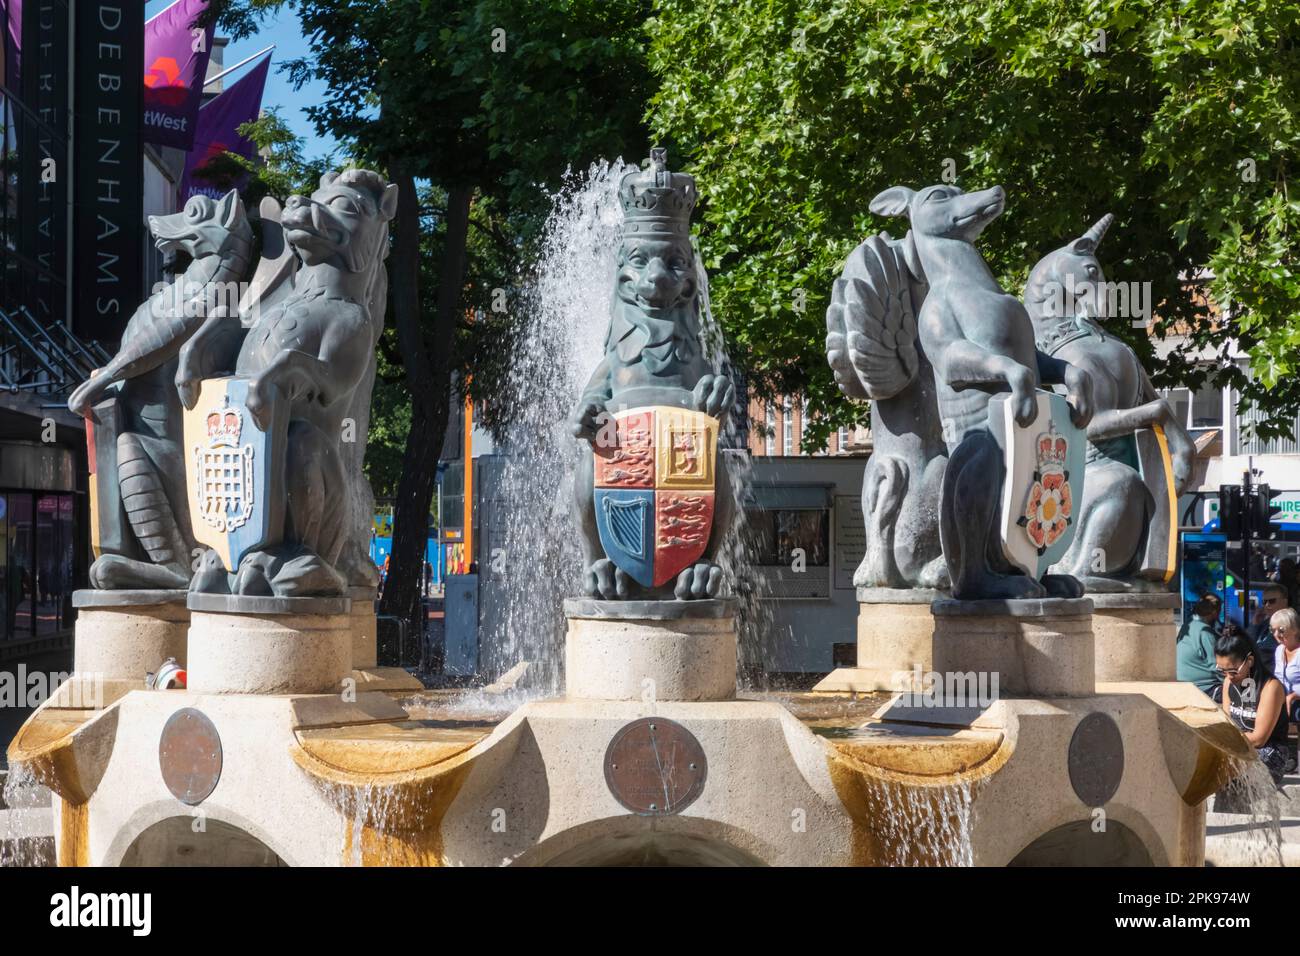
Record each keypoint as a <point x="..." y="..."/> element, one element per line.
<point x="140" y="511"/>
<point x="653" y="497"/>
<point x="278" y="398"/>
<point x="1139" y="455"/>
<point x="1013" y="467"/>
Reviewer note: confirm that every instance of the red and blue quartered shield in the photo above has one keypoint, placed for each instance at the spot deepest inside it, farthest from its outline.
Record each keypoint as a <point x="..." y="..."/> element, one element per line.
<point x="234" y="471"/>
<point x="655" y="490"/>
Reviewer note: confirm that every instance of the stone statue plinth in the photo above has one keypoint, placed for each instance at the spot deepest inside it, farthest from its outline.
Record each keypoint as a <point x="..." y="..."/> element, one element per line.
<point x="650" y="650"/>
<point x="895" y="639"/>
<point x="1041" y="647"/>
<point x="365" y="628"/>
<point x="239" y="644"/>
<point x="126" y="634"/>
<point x="1135" y="636"/>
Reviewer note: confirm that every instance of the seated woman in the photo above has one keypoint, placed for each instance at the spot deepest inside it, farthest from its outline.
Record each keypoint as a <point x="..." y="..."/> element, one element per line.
<point x="1253" y="699"/>
<point x="1285" y="625"/>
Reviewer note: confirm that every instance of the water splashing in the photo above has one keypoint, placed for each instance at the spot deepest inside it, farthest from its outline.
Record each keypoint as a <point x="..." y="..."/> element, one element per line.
<point x="567" y="307"/>
<point x="25" y="838"/>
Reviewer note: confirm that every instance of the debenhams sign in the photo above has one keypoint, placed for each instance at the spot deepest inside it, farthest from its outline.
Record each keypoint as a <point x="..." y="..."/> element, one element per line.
<point x="108" y="217"/>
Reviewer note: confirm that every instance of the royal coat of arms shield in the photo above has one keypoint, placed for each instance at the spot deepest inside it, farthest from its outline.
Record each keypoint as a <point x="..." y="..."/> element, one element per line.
<point x="655" y="490"/>
<point x="1043" y="487"/>
<point x="234" y="471"/>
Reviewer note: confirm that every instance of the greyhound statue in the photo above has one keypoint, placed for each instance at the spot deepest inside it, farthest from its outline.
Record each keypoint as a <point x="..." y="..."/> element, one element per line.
<point x="1139" y="455"/>
<point x="980" y="341"/>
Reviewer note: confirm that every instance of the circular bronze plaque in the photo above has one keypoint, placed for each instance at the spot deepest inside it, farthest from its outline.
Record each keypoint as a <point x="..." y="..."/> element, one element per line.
<point x="189" y="754"/>
<point x="655" y="767"/>
<point x="1096" y="759"/>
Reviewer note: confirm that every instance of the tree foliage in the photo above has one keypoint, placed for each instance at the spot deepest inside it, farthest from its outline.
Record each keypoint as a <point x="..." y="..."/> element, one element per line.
<point x="796" y="113"/>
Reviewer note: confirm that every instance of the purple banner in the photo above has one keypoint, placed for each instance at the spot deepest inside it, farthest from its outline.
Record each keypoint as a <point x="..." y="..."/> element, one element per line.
<point x="217" y="131"/>
<point x="176" y="56"/>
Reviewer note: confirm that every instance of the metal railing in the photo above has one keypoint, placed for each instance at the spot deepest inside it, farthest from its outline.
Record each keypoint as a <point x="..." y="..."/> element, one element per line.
<point x="46" y="359"/>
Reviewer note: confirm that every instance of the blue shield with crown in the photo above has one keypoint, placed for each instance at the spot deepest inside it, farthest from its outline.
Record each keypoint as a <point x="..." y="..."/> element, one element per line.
<point x="234" y="471"/>
<point x="1043" y="486"/>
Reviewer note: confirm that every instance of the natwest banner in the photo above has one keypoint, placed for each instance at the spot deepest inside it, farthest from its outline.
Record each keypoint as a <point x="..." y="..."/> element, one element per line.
<point x="176" y="53"/>
<point x="218" y="131"/>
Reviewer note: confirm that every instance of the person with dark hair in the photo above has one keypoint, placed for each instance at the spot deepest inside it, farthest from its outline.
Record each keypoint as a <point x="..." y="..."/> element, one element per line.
<point x="1252" y="699"/>
<point x="1195" y="651"/>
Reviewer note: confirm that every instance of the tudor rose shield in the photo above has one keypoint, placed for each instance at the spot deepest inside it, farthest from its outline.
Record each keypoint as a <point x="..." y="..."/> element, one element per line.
<point x="1043" y="488"/>
<point x="654" y="491"/>
<point x="234" y="471"/>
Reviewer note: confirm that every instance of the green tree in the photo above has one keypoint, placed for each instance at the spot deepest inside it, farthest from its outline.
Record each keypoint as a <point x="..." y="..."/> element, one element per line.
<point x="1178" y="117"/>
<point x="488" y="103"/>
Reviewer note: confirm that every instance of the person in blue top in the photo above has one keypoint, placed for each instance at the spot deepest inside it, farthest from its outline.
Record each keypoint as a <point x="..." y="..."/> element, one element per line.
<point x="1286" y="659"/>
<point x="1195" y="653"/>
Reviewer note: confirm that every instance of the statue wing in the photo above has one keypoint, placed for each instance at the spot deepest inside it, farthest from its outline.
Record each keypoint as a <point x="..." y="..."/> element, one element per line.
<point x="871" y="321"/>
<point x="273" y="278"/>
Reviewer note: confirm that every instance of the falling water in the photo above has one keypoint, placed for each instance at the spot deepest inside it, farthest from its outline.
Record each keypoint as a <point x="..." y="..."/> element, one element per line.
<point x="567" y="306"/>
<point x="25" y="837"/>
<point x="1252" y="798"/>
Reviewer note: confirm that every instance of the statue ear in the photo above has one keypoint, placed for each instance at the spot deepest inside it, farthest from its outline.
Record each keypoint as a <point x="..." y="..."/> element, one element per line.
<point x="892" y="202"/>
<point x="1083" y="246"/>
<point x="229" y="209"/>
<point x="388" y="201"/>
<point x="328" y="178"/>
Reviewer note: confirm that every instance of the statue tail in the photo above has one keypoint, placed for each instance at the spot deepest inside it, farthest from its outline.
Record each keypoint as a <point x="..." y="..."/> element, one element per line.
<point x="145" y="500"/>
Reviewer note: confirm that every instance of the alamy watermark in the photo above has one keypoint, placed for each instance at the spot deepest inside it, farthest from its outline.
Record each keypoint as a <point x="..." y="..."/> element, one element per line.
<point x="21" y="688"/>
<point x="950" y="689"/>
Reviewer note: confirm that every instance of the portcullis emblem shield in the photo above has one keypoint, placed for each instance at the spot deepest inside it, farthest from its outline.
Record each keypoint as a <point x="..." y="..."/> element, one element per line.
<point x="1043" y="487"/>
<point x="654" y="490"/>
<point x="234" y="471"/>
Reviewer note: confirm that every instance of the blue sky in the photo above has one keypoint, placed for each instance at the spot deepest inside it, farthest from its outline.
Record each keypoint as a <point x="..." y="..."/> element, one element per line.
<point x="285" y="32"/>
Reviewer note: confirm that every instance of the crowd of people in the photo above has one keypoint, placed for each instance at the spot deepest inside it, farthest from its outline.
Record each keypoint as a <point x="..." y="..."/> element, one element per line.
<point x="1253" y="672"/>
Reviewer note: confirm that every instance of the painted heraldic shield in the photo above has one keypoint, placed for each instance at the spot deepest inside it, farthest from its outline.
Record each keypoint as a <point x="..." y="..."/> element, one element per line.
<point x="654" y="490"/>
<point x="1043" y="488"/>
<point x="234" y="471"/>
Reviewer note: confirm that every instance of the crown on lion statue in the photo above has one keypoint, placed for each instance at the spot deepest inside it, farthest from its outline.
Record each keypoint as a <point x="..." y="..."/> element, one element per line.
<point x="657" y="203"/>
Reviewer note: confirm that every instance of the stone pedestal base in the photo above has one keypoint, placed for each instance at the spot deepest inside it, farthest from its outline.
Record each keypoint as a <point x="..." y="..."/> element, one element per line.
<point x="1041" y="648"/>
<point x="1135" y="636"/>
<point x="254" y="652"/>
<point x="365" y="629"/>
<point x="895" y="640"/>
<point x="650" y="650"/>
<point x="124" y="635"/>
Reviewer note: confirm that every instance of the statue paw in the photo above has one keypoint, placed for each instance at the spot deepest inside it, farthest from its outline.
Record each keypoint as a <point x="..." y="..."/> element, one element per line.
<point x="714" y="395"/>
<point x="113" y="572"/>
<point x="254" y="575"/>
<point x="307" y="575"/>
<point x="607" y="581"/>
<point x="1008" y="587"/>
<point x="1063" y="585"/>
<point x="701" y="580"/>
<point x="210" y="576"/>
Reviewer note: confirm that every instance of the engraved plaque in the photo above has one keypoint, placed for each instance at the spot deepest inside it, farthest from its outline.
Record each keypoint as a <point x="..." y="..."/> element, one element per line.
<point x="1096" y="759"/>
<point x="189" y="754"/>
<point x="655" y="767"/>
